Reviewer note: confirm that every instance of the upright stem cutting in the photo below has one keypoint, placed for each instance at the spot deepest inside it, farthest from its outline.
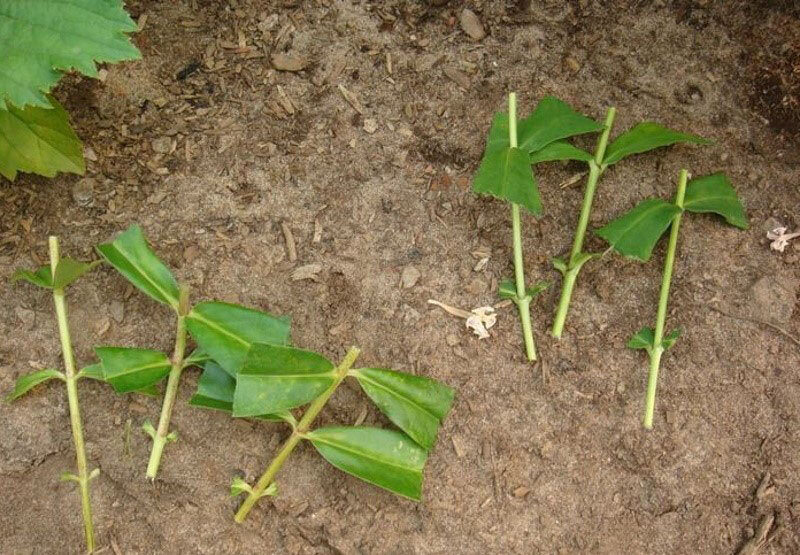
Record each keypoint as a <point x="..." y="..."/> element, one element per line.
<point x="577" y="257"/>
<point x="522" y="299"/>
<point x="83" y="477"/>
<point x="661" y="317"/>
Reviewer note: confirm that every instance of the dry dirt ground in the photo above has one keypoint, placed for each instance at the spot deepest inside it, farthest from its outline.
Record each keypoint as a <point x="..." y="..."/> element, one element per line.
<point x="211" y="150"/>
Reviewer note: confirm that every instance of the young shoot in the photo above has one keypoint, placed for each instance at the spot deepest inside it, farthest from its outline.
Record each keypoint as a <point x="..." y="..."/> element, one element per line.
<point x="56" y="276"/>
<point x="635" y="234"/>
<point x="223" y="333"/>
<point x="643" y="137"/>
<point x="275" y="379"/>
<point x="506" y="172"/>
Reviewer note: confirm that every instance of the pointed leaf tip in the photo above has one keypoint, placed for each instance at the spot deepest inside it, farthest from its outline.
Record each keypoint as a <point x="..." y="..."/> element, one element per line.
<point x="29" y="381"/>
<point x="636" y="233"/>
<point x="507" y="174"/>
<point x="552" y="120"/>
<point x="715" y="194"/>
<point x="644" y="137"/>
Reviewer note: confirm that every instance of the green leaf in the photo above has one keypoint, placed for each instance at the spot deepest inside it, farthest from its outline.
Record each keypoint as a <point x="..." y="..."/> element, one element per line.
<point x="552" y="120"/>
<point x="385" y="458"/>
<point x="215" y="391"/>
<point x="498" y="134"/>
<point x="43" y="277"/>
<point x="275" y="378"/>
<point x="149" y="391"/>
<point x="715" y="193"/>
<point x="415" y="404"/>
<point x="37" y="140"/>
<point x="93" y="371"/>
<point x="226" y="331"/>
<point x="636" y="233"/>
<point x="507" y="174"/>
<point x="197" y="358"/>
<point x="69" y="270"/>
<point x="670" y="339"/>
<point x="39" y="40"/>
<point x="130" y="369"/>
<point x="133" y="258"/>
<point x="644" y="137"/>
<point x="643" y="339"/>
<point x="560" y="150"/>
<point x="560" y="264"/>
<point x="508" y="289"/>
<point x="29" y="381"/>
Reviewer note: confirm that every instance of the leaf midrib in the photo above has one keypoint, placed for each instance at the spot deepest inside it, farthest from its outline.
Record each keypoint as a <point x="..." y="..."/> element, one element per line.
<point x="352" y="451"/>
<point x="398" y="395"/>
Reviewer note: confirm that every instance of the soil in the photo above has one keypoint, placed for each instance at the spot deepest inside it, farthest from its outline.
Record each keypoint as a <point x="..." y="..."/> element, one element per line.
<point x="212" y="150"/>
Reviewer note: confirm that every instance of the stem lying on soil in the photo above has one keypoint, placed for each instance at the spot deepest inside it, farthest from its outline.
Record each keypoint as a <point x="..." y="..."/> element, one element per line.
<point x="573" y="267"/>
<point x="661" y="317"/>
<point x="523" y="300"/>
<point x="83" y="477"/>
<point x="161" y="436"/>
<point x="297" y="434"/>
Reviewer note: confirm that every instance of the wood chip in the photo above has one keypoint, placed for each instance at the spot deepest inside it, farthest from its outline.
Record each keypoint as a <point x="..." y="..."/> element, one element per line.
<point x="471" y="25"/>
<point x="460" y="79"/>
<point x="458" y="445"/>
<point x="309" y="271"/>
<point x="291" y="246"/>
<point x="753" y="545"/>
<point x="288" y="62"/>
<point x="351" y="99"/>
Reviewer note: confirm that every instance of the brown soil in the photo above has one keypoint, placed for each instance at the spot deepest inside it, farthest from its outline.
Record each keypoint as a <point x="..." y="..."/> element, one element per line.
<point x="545" y="458"/>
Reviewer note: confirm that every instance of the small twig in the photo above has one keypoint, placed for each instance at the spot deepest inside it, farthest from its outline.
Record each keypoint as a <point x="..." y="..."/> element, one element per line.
<point x="291" y="246"/>
<point x="570" y="181"/>
<point x="451" y="309"/>
<point x="761" y="537"/>
<point x="779" y="329"/>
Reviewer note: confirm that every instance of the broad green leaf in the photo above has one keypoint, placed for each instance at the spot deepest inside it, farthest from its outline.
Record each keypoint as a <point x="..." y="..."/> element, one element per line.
<point x="507" y="174"/>
<point x="642" y="339"/>
<point x="37" y="140"/>
<point x="43" y="277"/>
<point x="560" y="150"/>
<point x="226" y="331"/>
<point x="670" y="339"/>
<point x="552" y="120"/>
<point x="68" y="270"/>
<point x="215" y="391"/>
<point x="39" y="40"/>
<point x="498" y="134"/>
<point x="508" y="289"/>
<point x="275" y="378"/>
<point x="644" y="137"/>
<point x="130" y="369"/>
<point x="133" y="258"/>
<point x="93" y="371"/>
<point x="197" y="358"/>
<point x="149" y="391"/>
<point x="715" y="193"/>
<point x="385" y="458"/>
<point x="636" y="233"/>
<point x="415" y="404"/>
<point x="29" y="381"/>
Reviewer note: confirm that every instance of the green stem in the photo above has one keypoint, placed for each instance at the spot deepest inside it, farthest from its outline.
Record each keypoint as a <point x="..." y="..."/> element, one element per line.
<point x="596" y="169"/>
<point x="162" y="437"/>
<point x="297" y="434"/>
<point x="72" y="398"/>
<point x="522" y="300"/>
<point x="661" y="317"/>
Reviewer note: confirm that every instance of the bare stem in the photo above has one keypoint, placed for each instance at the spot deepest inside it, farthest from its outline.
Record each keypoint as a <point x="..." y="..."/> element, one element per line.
<point x="72" y="398"/>
<point x="661" y="317"/>
<point x="302" y="428"/>
<point x="161" y="437"/>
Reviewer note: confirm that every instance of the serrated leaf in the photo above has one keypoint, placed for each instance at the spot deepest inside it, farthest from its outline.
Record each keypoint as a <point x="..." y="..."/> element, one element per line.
<point x="29" y="381"/>
<point x="226" y="331"/>
<point x="130" y="369"/>
<point x="93" y="371"/>
<point x="636" y="233"/>
<point x="40" y="40"/>
<point x="560" y="150"/>
<point x="130" y="254"/>
<point x="642" y="339"/>
<point x="37" y="140"/>
<point x="670" y="339"/>
<point x="385" y="458"/>
<point x="215" y="390"/>
<point x="507" y="174"/>
<point x="415" y="404"/>
<point x="274" y="378"/>
<point x="714" y="193"/>
<point x="644" y="137"/>
<point x="69" y="270"/>
<point x="43" y="277"/>
<point x="552" y="120"/>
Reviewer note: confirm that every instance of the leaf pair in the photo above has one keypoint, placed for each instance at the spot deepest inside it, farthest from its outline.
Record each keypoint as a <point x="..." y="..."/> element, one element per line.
<point x="645" y="339"/>
<point x="67" y="271"/>
<point x="505" y="172"/>
<point x="636" y="233"/>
